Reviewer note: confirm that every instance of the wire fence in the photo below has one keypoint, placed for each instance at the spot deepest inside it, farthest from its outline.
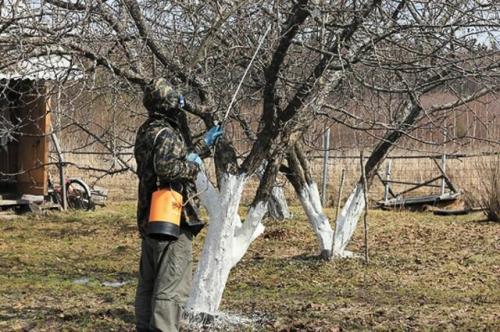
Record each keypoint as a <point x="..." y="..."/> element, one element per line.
<point x="463" y="170"/>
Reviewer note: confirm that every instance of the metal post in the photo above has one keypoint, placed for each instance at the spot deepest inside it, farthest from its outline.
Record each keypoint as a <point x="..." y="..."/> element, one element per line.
<point x="387" y="185"/>
<point x="443" y="180"/>
<point x="326" y="148"/>
<point x="60" y="165"/>
<point x="445" y="132"/>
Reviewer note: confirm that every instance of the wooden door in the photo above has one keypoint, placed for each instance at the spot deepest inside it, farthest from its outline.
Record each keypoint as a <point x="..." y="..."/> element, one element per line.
<point x="33" y="141"/>
<point x="8" y="143"/>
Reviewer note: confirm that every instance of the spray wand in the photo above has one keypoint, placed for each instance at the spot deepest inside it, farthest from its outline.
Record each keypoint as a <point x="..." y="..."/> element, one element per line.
<point x="233" y="99"/>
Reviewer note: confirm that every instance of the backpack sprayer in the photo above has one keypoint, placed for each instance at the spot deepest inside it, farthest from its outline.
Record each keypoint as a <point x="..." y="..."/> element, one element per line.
<point x="166" y="204"/>
<point x="165" y="214"/>
<point x="165" y="211"/>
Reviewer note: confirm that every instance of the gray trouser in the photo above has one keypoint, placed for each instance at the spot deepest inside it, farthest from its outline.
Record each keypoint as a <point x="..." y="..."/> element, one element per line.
<point x="164" y="283"/>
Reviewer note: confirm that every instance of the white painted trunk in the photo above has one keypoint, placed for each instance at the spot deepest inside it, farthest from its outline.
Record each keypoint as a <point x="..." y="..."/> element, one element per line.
<point x="248" y="231"/>
<point x="311" y="202"/>
<point x="209" y="195"/>
<point x="347" y="221"/>
<point x="278" y="207"/>
<point x="227" y="239"/>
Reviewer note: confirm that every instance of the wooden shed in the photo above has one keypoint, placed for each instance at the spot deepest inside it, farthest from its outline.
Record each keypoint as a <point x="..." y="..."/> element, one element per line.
<point x="24" y="154"/>
<point x="25" y="128"/>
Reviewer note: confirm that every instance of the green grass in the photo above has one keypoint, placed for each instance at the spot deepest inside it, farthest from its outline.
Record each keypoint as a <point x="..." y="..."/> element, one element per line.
<point x="425" y="273"/>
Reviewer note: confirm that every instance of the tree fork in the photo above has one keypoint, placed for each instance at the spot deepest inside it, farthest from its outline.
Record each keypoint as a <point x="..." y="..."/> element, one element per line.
<point x="299" y="175"/>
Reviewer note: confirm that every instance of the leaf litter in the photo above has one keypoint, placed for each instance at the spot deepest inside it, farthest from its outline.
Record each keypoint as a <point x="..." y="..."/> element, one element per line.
<point x="57" y="272"/>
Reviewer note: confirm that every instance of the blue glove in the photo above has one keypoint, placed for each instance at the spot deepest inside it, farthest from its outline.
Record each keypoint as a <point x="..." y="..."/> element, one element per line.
<point x="193" y="157"/>
<point x="181" y="101"/>
<point x="212" y="135"/>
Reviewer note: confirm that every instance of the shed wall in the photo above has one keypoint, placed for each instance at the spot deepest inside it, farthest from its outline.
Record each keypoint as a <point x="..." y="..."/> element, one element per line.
<point x="27" y="156"/>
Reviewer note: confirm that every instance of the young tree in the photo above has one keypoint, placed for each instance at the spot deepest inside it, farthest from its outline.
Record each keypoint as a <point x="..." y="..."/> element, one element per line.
<point x="413" y="51"/>
<point x="442" y="60"/>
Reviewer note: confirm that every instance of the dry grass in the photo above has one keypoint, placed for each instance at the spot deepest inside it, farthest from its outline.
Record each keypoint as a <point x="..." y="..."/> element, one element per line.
<point x="426" y="273"/>
<point x="488" y="197"/>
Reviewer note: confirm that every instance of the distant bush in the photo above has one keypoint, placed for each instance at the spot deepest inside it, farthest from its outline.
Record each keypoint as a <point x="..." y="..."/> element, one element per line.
<point x="489" y="192"/>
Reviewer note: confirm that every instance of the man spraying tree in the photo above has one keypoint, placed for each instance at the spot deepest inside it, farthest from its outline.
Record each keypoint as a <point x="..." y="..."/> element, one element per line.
<point x="166" y="161"/>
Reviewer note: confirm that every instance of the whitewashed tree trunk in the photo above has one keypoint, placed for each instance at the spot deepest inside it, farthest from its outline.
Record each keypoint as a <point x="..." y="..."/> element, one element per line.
<point x="347" y="221"/>
<point x="248" y="231"/>
<point x="278" y="207"/>
<point x="227" y="239"/>
<point x="299" y="174"/>
<point x="311" y="202"/>
<point x="355" y="204"/>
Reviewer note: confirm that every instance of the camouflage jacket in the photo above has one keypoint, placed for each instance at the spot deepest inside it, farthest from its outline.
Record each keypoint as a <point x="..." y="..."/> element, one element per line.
<point x="160" y="152"/>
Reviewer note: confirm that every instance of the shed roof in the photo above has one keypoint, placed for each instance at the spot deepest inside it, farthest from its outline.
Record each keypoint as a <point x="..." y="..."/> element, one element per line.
<point x="46" y="67"/>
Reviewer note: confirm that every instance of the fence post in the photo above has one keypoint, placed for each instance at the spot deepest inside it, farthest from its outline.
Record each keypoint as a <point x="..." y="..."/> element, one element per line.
<point x="387" y="184"/>
<point x="443" y="180"/>
<point x="341" y="187"/>
<point x="326" y="148"/>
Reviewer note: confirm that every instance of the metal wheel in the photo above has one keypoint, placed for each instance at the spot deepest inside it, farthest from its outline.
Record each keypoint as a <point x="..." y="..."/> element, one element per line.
<point x="78" y="194"/>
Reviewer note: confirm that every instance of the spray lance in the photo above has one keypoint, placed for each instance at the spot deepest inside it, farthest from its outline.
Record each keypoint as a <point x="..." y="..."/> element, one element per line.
<point x="233" y="99"/>
<point x="220" y="124"/>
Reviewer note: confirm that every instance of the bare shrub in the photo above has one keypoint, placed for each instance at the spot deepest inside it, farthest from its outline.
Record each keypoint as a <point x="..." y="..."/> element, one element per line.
<point x="489" y="192"/>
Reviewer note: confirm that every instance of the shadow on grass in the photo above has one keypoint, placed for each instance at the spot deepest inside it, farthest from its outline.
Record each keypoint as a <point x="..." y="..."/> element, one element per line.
<point x="308" y="258"/>
<point x="121" y="314"/>
<point x="483" y="222"/>
<point x="60" y="275"/>
<point x="57" y="317"/>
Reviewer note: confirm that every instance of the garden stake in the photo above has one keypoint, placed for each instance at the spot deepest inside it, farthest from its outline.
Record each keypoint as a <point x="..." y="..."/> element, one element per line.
<point x="342" y="177"/>
<point x="365" y="196"/>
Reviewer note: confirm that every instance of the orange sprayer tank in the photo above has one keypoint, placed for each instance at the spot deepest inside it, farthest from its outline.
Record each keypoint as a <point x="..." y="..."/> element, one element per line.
<point x="165" y="214"/>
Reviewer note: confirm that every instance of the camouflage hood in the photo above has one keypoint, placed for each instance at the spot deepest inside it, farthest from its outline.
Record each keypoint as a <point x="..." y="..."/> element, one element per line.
<point x="161" y="99"/>
<point x="162" y="102"/>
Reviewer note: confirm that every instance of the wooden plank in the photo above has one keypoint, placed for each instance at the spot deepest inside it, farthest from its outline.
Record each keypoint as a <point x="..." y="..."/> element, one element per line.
<point x="60" y="166"/>
<point x="445" y="177"/>
<point x="13" y="202"/>
<point x="33" y="142"/>
<point x="451" y="212"/>
<point x="419" y="185"/>
<point x="443" y="180"/>
<point x="387" y="185"/>
<point x="426" y="183"/>
<point x="431" y="199"/>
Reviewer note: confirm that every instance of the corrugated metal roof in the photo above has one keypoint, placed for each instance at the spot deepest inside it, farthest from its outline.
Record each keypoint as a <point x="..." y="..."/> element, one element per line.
<point x="47" y="67"/>
<point x="51" y="66"/>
